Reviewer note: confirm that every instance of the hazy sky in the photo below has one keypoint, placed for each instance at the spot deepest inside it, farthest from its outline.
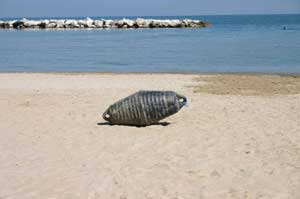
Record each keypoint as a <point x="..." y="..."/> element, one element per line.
<point x="64" y="8"/>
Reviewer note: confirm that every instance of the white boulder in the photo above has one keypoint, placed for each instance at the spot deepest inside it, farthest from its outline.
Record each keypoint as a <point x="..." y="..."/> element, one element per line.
<point x="90" y="23"/>
<point x="99" y="23"/>
<point x="71" y="24"/>
<point x="125" y="23"/>
<point x="156" y="23"/>
<point x="51" y="25"/>
<point x="140" y="22"/>
<point x="174" y="23"/>
<point x="31" y="24"/>
<point x="60" y="23"/>
<point x="87" y="23"/>
<point x="108" y="23"/>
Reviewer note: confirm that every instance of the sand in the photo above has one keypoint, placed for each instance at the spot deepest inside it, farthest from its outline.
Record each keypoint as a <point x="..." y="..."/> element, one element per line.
<point x="242" y="143"/>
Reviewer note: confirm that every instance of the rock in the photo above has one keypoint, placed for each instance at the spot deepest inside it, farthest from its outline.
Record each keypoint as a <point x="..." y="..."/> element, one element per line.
<point x="71" y="24"/>
<point x="166" y="23"/>
<point x="6" y="25"/>
<point x="129" y="23"/>
<point x="18" y="24"/>
<point x="60" y="23"/>
<point x="141" y="23"/>
<point x="11" y="24"/>
<point x="114" y="24"/>
<point x="155" y="24"/>
<point x="108" y="23"/>
<point x="187" y="21"/>
<point x="203" y="24"/>
<point x="174" y="24"/>
<point x="44" y="23"/>
<point x="90" y="23"/>
<point x="184" y="23"/>
<point x="31" y="24"/>
<point x="82" y="23"/>
<point x="51" y="25"/>
<point x="148" y="22"/>
<point x="99" y="23"/>
<point x="120" y="23"/>
<point x="87" y="23"/>
<point x="125" y="23"/>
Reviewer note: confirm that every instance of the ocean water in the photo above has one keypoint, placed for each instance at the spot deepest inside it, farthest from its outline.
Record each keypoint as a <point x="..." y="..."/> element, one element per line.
<point x="245" y="43"/>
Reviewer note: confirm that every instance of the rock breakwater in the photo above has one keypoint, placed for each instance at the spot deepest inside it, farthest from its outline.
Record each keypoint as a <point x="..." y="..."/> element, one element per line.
<point x="102" y="23"/>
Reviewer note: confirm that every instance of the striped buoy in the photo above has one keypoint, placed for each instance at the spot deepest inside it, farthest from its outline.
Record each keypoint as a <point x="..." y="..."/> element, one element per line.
<point x="144" y="108"/>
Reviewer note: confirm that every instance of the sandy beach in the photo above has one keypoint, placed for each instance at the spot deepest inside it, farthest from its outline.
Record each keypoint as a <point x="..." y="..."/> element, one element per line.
<point x="238" y="138"/>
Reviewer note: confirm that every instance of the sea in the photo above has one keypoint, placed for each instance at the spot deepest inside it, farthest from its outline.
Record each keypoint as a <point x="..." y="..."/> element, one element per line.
<point x="231" y="44"/>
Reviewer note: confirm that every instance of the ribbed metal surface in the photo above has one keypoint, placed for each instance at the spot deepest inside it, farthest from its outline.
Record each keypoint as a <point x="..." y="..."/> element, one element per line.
<point x="144" y="108"/>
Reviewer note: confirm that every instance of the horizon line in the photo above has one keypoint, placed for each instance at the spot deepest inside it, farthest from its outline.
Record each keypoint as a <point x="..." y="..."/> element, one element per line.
<point x="116" y="16"/>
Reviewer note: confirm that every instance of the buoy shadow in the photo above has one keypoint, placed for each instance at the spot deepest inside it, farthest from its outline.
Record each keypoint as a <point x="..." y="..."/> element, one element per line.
<point x="156" y="124"/>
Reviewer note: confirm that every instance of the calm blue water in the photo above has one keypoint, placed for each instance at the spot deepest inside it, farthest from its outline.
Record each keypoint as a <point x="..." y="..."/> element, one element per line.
<point x="248" y="43"/>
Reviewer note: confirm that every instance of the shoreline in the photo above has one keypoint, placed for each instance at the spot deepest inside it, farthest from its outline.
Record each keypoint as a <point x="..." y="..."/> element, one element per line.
<point x="243" y="84"/>
<point x="156" y="73"/>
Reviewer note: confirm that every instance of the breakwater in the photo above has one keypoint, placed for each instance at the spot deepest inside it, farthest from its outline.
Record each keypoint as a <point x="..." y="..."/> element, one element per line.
<point x="103" y="23"/>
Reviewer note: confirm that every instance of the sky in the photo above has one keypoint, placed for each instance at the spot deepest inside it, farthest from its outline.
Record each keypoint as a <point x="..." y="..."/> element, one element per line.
<point x="75" y="8"/>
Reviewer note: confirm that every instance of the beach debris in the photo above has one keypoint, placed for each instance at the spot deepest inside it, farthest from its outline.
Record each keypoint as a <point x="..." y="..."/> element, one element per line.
<point x="103" y="23"/>
<point x="144" y="108"/>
